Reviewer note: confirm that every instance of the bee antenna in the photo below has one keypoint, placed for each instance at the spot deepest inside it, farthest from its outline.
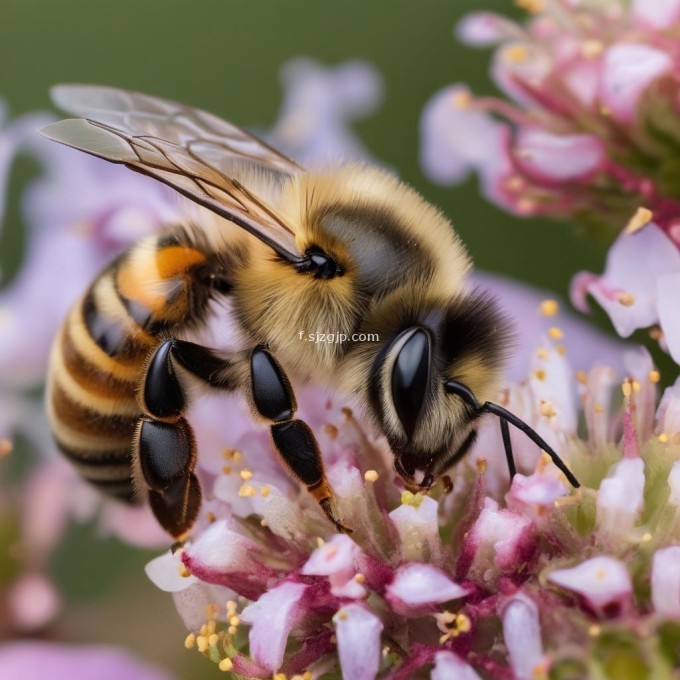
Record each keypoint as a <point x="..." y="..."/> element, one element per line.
<point x="506" y="417"/>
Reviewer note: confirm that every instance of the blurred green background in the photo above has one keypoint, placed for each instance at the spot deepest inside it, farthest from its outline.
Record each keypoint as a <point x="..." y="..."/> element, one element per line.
<point x="225" y="56"/>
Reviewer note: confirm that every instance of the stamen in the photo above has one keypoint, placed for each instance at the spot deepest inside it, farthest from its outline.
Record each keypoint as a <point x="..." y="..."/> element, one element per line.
<point x="246" y="474"/>
<point x="265" y="490"/>
<point x="556" y="333"/>
<point x="654" y="377"/>
<point x="371" y="476"/>
<point x="641" y="218"/>
<point x="226" y="665"/>
<point x="190" y="641"/>
<point x="626" y="299"/>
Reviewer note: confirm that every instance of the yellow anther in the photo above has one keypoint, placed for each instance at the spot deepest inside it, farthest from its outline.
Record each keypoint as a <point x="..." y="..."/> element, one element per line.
<point x="297" y="677"/>
<point x="320" y="542"/>
<point x="183" y="571"/>
<point x="210" y="516"/>
<point x="592" y="49"/>
<point x="531" y="6"/>
<point x="213" y="639"/>
<point x="228" y="453"/>
<point x="625" y="299"/>
<point x="636" y="385"/>
<point x="263" y="522"/>
<point x="641" y="218"/>
<point x="202" y="643"/>
<point x="463" y="623"/>
<point x="331" y="430"/>
<point x="190" y="641"/>
<point x="232" y="630"/>
<point x="245" y="475"/>
<point x="5" y="447"/>
<point x="539" y="374"/>
<point x="234" y="620"/>
<point x="462" y="99"/>
<point x="598" y="408"/>
<point x="594" y="630"/>
<point x="481" y="465"/>
<point x="663" y="438"/>
<point x="360" y="578"/>
<point x="247" y="491"/>
<point x="414" y="499"/>
<point x="227" y="470"/>
<point x="212" y="611"/>
<point x="341" y="615"/>
<point x="211" y="627"/>
<point x="547" y="409"/>
<point x="556" y="333"/>
<point x="646" y="537"/>
<point x="582" y="377"/>
<point x="515" y="54"/>
<point x="231" y="606"/>
<point x="279" y="676"/>
<point x="371" y="476"/>
<point x="654" y="377"/>
<point x="627" y="389"/>
<point x="225" y="665"/>
<point x="265" y="490"/>
<point x="307" y="675"/>
<point x="561" y="350"/>
<point x="542" y="353"/>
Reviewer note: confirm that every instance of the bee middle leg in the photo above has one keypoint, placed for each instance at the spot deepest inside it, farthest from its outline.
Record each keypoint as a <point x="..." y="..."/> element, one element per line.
<point x="164" y="454"/>
<point x="273" y="399"/>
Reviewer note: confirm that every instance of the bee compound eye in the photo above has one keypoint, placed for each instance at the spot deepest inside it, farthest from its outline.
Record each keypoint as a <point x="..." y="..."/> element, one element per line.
<point x="411" y="376"/>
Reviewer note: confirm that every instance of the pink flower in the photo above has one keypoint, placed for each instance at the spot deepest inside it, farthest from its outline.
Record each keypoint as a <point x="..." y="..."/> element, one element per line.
<point x="32" y="660"/>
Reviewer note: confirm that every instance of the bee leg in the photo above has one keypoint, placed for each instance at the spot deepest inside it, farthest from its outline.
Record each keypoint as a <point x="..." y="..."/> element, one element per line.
<point x="165" y="449"/>
<point x="274" y="400"/>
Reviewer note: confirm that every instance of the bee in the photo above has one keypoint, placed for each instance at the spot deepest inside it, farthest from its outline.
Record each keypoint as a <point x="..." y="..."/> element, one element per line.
<point x="353" y="250"/>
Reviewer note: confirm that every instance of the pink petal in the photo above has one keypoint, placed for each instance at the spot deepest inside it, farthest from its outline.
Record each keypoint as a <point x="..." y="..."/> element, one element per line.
<point x="522" y="634"/>
<point x="456" y="138"/>
<point x="31" y="660"/>
<point x="272" y="617"/>
<point x="448" y="666"/>
<point x="481" y="29"/>
<point x="558" y="158"/>
<point x="655" y="14"/>
<point x="668" y="414"/>
<point x="537" y="490"/>
<point x="358" y="631"/>
<point x="602" y="581"/>
<point x="666" y="582"/>
<point x="33" y="602"/>
<point x="634" y="263"/>
<point x="337" y="555"/>
<point x="417" y="584"/>
<point x="628" y="69"/>
<point x="674" y="484"/>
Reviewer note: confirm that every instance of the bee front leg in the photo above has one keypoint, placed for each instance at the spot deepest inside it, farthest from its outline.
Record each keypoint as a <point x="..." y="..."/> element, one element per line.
<point x="274" y="400"/>
<point x="164" y="453"/>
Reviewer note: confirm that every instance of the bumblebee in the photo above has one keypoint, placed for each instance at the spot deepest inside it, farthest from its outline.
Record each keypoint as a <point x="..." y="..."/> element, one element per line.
<point x="352" y="250"/>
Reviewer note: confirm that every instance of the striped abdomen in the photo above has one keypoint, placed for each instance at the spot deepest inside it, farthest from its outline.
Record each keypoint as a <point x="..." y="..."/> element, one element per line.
<point x="99" y="355"/>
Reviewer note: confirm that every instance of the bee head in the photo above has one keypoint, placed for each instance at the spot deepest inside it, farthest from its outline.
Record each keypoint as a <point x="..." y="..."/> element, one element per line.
<point x="461" y="342"/>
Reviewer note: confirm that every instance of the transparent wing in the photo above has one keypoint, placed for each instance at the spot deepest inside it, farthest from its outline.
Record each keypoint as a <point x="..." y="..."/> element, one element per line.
<point x="188" y="149"/>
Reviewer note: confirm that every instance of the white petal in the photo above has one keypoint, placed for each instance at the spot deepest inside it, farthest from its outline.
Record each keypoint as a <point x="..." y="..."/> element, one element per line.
<point x="418" y="584"/>
<point x="358" y="632"/>
<point x="522" y="634"/>
<point x="449" y="666"/>
<point x="418" y="530"/>
<point x="668" y="290"/>
<point x="482" y="29"/>
<point x="272" y="618"/>
<point x="628" y="69"/>
<point x="666" y="582"/>
<point x="164" y="572"/>
<point x="621" y="498"/>
<point x="655" y="13"/>
<point x="603" y="581"/>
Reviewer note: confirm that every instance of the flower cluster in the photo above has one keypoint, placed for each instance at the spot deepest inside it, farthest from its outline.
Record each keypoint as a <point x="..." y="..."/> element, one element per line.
<point x="481" y="579"/>
<point x="589" y="130"/>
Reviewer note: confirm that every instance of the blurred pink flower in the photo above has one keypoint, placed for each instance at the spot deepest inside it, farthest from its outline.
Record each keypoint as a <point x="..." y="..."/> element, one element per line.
<point x="37" y="660"/>
<point x="588" y="130"/>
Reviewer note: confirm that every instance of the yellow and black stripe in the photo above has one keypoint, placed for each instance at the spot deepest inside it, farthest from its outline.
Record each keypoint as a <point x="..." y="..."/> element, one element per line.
<point x="98" y="358"/>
